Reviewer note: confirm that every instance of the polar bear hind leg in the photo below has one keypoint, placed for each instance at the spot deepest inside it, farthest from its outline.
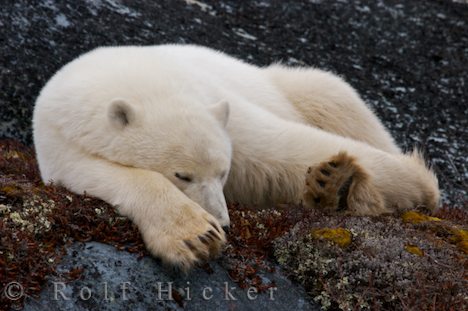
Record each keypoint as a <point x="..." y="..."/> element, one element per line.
<point x="342" y="185"/>
<point x="326" y="101"/>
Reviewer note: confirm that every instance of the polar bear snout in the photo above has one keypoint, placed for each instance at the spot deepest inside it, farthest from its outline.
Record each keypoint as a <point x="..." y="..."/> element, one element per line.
<point x="210" y="196"/>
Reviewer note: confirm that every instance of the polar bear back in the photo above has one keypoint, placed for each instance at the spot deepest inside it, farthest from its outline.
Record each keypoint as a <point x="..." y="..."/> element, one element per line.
<point x="142" y="74"/>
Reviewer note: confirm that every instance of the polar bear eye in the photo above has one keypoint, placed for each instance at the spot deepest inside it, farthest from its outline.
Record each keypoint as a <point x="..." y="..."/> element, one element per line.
<point x="183" y="177"/>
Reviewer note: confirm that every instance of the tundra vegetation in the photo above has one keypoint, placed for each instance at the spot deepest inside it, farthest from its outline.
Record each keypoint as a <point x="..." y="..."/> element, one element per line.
<point x="411" y="261"/>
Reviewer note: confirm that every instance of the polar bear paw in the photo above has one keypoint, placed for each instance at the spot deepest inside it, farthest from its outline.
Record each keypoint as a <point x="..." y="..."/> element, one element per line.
<point x="186" y="238"/>
<point x="342" y="185"/>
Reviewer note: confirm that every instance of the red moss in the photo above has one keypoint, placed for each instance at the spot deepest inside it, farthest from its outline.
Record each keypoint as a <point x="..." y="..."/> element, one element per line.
<point x="250" y="241"/>
<point x="456" y="215"/>
<point x="28" y="257"/>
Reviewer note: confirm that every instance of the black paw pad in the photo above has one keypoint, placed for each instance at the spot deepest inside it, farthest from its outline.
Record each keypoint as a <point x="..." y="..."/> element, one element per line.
<point x="343" y="194"/>
<point x="321" y="183"/>
<point x="324" y="172"/>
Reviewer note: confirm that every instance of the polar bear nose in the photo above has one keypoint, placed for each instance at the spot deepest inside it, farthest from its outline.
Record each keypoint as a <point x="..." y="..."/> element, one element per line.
<point x="210" y="196"/>
<point x="224" y="221"/>
<point x="214" y="202"/>
<point x="226" y="229"/>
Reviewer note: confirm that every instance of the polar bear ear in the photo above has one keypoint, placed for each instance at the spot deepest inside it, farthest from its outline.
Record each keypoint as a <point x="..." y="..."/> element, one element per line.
<point x="120" y="113"/>
<point x="221" y="112"/>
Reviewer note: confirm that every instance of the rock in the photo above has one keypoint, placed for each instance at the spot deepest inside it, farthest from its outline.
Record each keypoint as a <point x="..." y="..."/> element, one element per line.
<point x="407" y="59"/>
<point x="114" y="280"/>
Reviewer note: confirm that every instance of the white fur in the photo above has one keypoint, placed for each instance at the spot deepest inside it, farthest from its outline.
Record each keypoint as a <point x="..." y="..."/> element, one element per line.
<point x="119" y="122"/>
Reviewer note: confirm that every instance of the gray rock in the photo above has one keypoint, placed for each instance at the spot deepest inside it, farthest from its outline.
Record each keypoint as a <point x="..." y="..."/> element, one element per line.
<point x="407" y="59"/>
<point x="115" y="280"/>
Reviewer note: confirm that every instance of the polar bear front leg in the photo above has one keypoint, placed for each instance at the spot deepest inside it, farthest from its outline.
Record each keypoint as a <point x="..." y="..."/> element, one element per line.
<point x="173" y="227"/>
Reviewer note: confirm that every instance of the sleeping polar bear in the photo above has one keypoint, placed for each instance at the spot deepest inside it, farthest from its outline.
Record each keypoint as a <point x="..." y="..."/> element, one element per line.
<point x="160" y="131"/>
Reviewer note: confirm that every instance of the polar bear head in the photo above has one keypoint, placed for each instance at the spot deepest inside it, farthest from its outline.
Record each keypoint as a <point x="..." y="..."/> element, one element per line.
<point x="181" y="139"/>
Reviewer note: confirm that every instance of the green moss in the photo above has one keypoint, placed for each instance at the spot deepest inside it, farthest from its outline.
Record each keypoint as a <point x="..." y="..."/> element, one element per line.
<point x="390" y="264"/>
<point x="346" y="263"/>
<point x="339" y="236"/>
<point x="440" y="226"/>
<point x="413" y="249"/>
<point x="415" y="217"/>
<point x="11" y="190"/>
<point x="460" y="237"/>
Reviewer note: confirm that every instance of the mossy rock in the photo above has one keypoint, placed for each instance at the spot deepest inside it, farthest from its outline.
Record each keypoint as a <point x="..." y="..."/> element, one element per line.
<point x="414" y="261"/>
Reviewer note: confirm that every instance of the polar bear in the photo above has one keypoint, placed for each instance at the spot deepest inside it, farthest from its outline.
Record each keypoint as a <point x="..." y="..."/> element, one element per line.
<point x="160" y="131"/>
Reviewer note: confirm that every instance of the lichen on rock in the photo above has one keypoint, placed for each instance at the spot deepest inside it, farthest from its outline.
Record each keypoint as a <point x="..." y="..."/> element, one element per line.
<point x="391" y="262"/>
<point x="416" y="218"/>
<point x="413" y="249"/>
<point x="339" y="236"/>
<point x="460" y="237"/>
<point x="343" y="262"/>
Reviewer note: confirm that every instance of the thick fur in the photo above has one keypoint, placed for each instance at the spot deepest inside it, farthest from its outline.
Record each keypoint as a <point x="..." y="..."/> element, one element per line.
<point x="327" y="102"/>
<point x="156" y="130"/>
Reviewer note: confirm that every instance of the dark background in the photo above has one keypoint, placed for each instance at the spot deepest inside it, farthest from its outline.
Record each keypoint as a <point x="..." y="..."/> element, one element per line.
<point x="408" y="59"/>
